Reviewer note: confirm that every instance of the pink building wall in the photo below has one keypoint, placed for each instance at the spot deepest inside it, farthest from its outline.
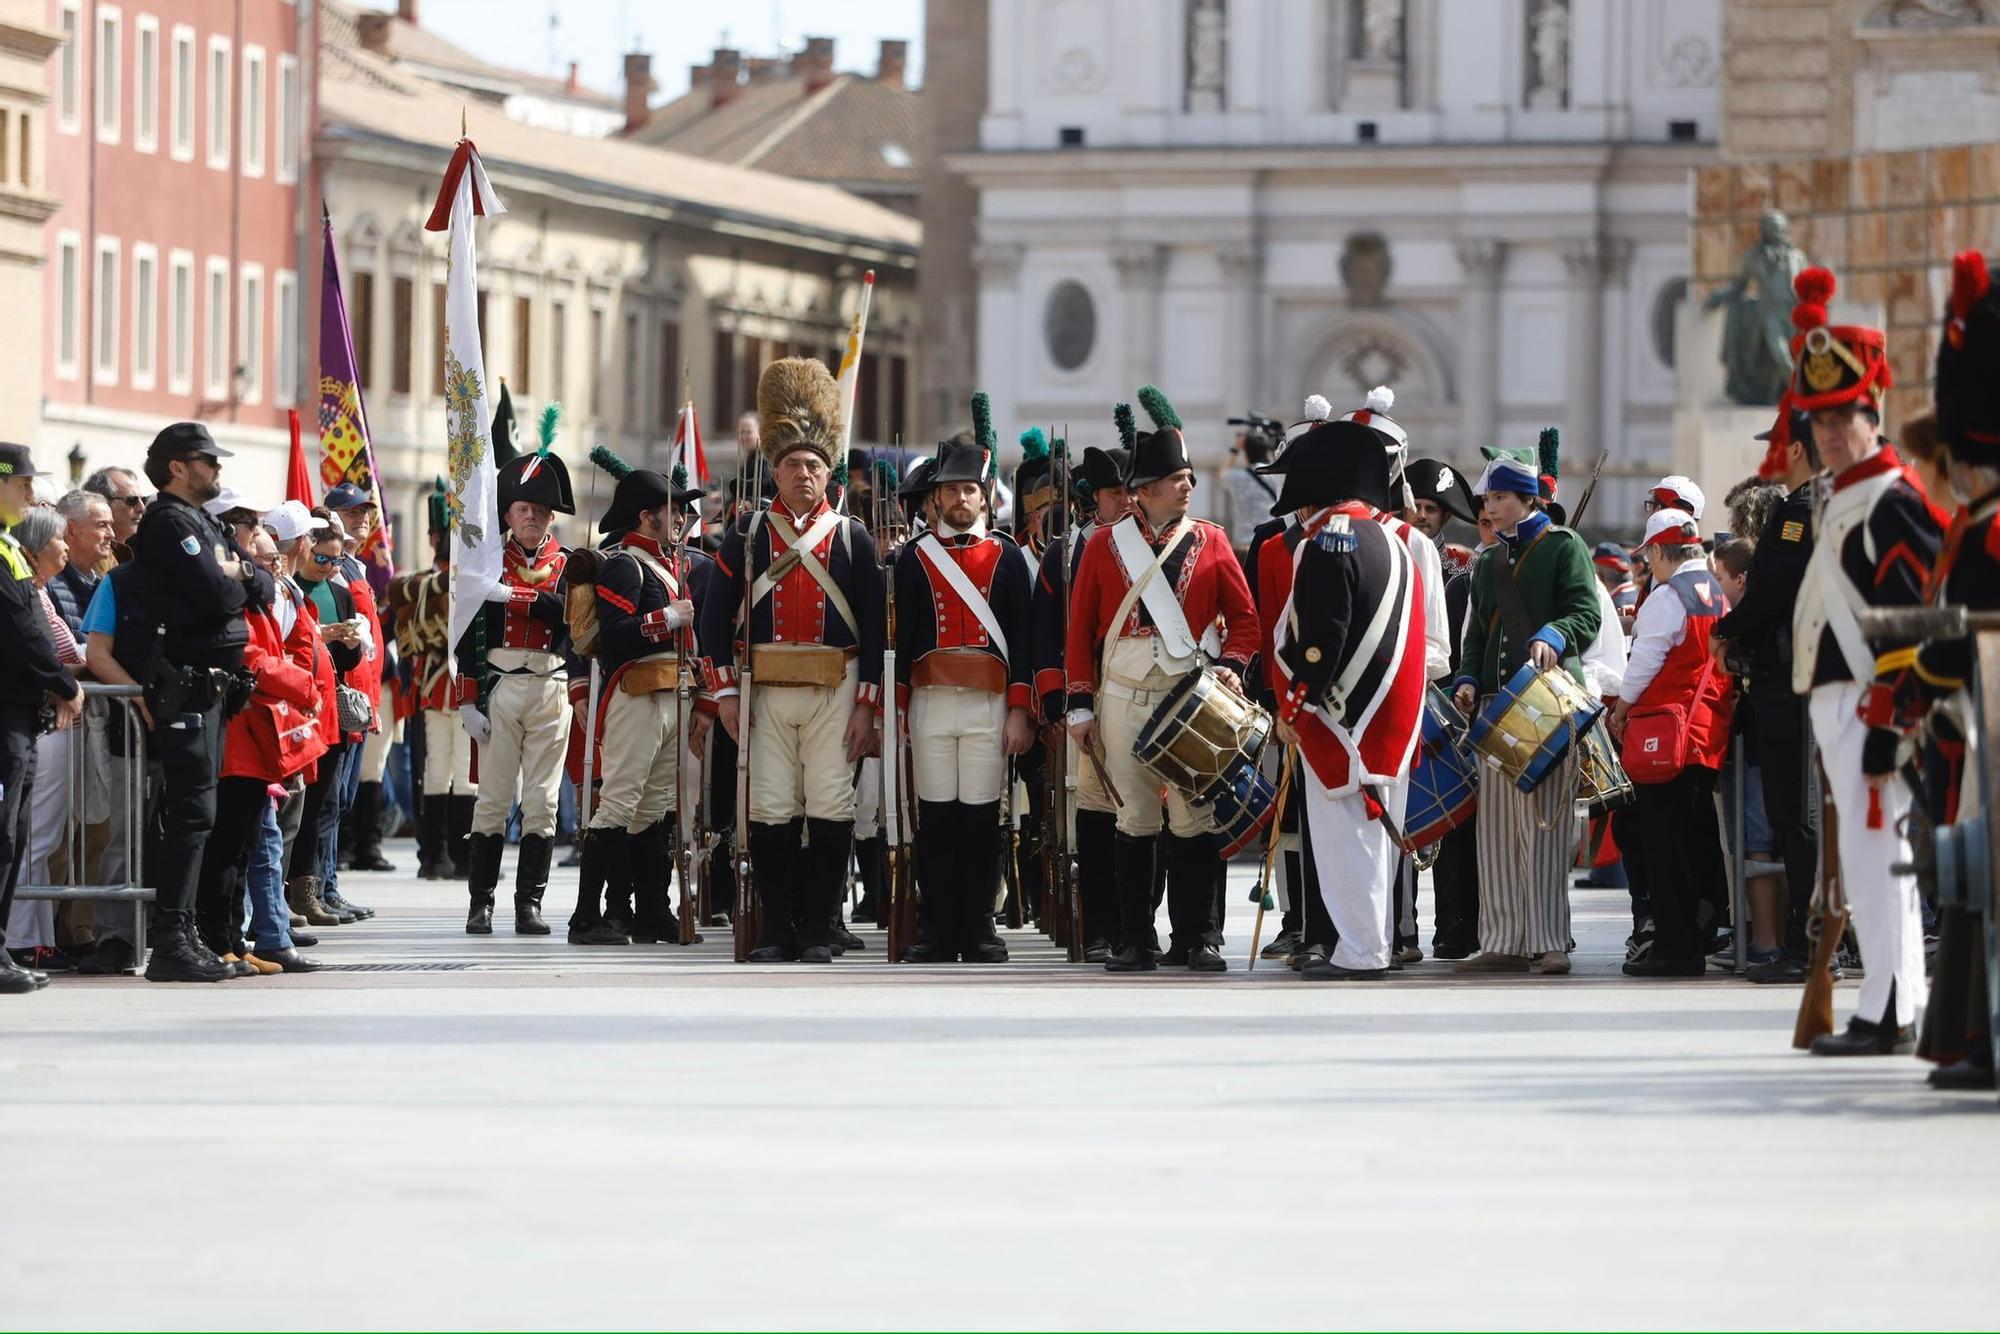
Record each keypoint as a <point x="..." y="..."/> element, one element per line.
<point x="171" y="199"/>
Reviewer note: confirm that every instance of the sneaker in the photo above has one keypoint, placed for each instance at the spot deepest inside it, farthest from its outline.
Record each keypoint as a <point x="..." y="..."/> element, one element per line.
<point x="113" y="957"/>
<point x="1847" y="963"/>
<point x="1639" y="945"/>
<point x="1785" y="968"/>
<point x="1409" y="954"/>
<point x="44" y="959"/>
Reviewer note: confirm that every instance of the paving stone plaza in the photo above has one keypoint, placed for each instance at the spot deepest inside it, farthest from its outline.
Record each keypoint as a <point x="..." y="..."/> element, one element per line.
<point x="443" y="1131"/>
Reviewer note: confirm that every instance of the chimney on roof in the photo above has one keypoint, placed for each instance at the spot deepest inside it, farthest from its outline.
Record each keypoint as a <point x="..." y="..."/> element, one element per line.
<point x="569" y="85"/>
<point x="697" y="78"/>
<point x="726" y="65"/>
<point x="763" y="67"/>
<point x="815" y="64"/>
<point x="373" y="27"/>
<point x="891" y="61"/>
<point x="639" y="88"/>
<point x="406" y="10"/>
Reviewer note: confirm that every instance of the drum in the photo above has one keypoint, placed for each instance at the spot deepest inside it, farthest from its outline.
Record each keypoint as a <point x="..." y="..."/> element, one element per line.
<point x="1601" y="781"/>
<point x="1199" y="733"/>
<point x="1244" y="804"/>
<point x="1444" y="777"/>
<point x="1526" y="730"/>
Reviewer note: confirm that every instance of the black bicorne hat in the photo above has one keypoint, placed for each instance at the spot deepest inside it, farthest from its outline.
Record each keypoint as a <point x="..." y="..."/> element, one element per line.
<point x="539" y="477"/>
<point x="1103" y="468"/>
<point x="1161" y="452"/>
<point x="958" y="463"/>
<point x="1335" y="461"/>
<point x="1968" y="364"/>
<point x="1430" y="479"/>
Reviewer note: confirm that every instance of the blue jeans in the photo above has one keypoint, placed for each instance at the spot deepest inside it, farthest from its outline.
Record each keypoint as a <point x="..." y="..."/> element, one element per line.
<point x="270" y="918"/>
<point x="338" y="802"/>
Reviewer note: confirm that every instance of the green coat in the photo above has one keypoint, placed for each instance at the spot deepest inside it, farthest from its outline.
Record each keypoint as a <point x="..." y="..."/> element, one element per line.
<point x="1559" y="592"/>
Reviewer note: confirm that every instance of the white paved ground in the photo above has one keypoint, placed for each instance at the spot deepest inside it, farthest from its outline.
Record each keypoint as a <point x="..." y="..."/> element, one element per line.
<point x="541" y="1135"/>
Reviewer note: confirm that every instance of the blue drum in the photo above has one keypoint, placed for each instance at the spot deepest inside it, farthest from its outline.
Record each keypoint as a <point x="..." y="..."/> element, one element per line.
<point x="1444" y="777"/>
<point x="1244" y="802"/>
<point x="1527" y="729"/>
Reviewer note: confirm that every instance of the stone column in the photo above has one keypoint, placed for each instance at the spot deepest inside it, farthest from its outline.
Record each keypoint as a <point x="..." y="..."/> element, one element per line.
<point x="1482" y="258"/>
<point x="1615" y="266"/>
<point x="1139" y="264"/>
<point x="1000" y="346"/>
<point x="1583" y="380"/>
<point x="1242" y="267"/>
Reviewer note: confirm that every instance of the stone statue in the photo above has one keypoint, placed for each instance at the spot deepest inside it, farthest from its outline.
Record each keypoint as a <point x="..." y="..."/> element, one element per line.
<point x="1382" y="30"/>
<point x="1757" y="333"/>
<point x="1548" y="43"/>
<point x="1207" y="79"/>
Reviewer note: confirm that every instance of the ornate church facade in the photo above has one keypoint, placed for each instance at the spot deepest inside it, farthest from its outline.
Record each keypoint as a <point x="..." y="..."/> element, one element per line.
<point x="1483" y="203"/>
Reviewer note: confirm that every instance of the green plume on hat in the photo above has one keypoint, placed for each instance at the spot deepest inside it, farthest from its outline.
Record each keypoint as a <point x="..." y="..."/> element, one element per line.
<point x="680" y="477"/>
<point x="885" y="475"/>
<point x="1548" y="452"/>
<point x="1128" y="430"/>
<point x="840" y="474"/>
<point x="602" y="456"/>
<point x="1034" y="444"/>
<point x="551" y="414"/>
<point x="983" y="434"/>
<point x="1156" y="406"/>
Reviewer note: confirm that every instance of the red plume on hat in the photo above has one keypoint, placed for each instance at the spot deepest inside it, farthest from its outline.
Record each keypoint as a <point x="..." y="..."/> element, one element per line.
<point x="1815" y="287"/>
<point x="1780" y="439"/>
<point x="1969" y="282"/>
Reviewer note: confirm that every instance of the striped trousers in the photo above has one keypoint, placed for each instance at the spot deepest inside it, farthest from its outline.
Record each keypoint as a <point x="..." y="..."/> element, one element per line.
<point x="1527" y="843"/>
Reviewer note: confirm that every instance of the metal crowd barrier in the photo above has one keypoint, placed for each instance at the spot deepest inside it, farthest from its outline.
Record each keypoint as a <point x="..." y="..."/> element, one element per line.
<point x="128" y="817"/>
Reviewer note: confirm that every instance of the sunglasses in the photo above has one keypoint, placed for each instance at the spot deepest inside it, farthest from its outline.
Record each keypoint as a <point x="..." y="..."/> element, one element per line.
<point x="136" y="502"/>
<point x="324" y="560"/>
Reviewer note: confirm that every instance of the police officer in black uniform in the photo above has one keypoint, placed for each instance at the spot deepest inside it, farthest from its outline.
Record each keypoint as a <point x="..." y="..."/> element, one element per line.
<point x="197" y="580"/>
<point x="1756" y="637"/>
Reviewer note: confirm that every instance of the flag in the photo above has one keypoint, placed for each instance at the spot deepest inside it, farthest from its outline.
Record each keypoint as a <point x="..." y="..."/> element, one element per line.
<point x="298" y="477"/>
<point x="850" y="360"/>
<point x="345" y="452"/>
<point x="688" y="451"/>
<point x="471" y="494"/>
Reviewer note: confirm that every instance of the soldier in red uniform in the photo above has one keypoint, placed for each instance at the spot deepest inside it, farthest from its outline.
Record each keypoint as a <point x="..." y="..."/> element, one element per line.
<point x="815" y="637"/>
<point x="962" y="656"/>
<point x="1149" y="589"/>
<point x="521" y="714"/>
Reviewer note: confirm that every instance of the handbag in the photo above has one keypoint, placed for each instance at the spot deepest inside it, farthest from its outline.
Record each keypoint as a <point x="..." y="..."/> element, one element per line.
<point x="354" y="709"/>
<point x="1655" y="748"/>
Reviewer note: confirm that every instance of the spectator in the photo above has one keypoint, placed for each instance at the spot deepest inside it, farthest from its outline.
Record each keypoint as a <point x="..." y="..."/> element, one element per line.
<point x="1247" y="496"/>
<point x="363" y="849"/>
<point x="118" y="634"/>
<point x="120" y="489"/>
<point x="31" y="679"/>
<point x="195" y="582"/>
<point x="32" y="923"/>
<point x="1671" y="668"/>
<point x="90" y="535"/>
<point x="275" y="736"/>
<point x="349" y="502"/>
<point x="350" y="643"/>
<point x="1765" y="894"/>
<point x="1676" y="492"/>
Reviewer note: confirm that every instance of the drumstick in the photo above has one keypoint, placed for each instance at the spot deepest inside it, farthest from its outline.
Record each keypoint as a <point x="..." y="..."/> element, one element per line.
<point x="1103" y="775"/>
<point x="1270" y="855"/>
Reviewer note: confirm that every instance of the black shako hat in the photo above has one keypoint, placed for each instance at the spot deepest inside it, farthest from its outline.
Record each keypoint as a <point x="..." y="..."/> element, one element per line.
<point x="1335" y="461"/>
<point x="1968" y="364"/>
<point x="1431" y="479"/>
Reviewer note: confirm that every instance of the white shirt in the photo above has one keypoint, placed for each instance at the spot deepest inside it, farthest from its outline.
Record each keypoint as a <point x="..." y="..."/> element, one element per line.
<point x="1604" y="665"/>
<point x="1659" y="627"/>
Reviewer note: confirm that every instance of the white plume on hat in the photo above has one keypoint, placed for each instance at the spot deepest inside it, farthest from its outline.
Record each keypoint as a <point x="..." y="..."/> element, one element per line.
<point x="1317" y="410"/>
<point x="1380" y="399"/>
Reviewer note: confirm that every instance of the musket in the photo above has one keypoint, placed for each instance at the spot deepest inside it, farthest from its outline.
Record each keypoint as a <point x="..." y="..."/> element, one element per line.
<point x="683" y="808"/>
<point x="744" y="926"/>
<point x="1072" y="883"/>
<point x="1261" y="895"/>
<point x="1010" y="846"/>
<point x="896" y="870"/>
<point x="1589" y="489"/>
<point x="1827" y="925"/>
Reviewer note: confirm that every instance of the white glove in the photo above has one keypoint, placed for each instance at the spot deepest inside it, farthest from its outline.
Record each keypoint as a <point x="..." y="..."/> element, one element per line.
<point x="680" y="614"/>
<point x="500" y="592"/>
<point x="477" y="725"/>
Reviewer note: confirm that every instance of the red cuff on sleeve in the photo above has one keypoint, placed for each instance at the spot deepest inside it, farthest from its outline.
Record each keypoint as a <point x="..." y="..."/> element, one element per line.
<point x="1019" y="698"/>
<point x="654" y="625"/>
<point x="1049" y="681"/>
<point x="1292" y="702"/>
<point x="869" y="694"/>
<point x="1878" y="707"/>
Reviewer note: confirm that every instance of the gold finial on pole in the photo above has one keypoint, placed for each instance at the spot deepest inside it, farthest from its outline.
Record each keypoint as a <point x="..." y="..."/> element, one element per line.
<point x="462" y="133"/>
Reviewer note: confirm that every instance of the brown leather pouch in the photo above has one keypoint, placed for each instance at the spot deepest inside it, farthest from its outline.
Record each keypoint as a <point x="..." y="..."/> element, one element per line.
<point x="650" y="675"/>
<point x="964" y="670"/>
<point x="798" y="665"/>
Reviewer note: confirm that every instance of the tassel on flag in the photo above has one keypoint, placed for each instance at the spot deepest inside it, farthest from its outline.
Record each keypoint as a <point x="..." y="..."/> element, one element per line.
<point x="472" y="497"/>
<point x="298" y="477"/>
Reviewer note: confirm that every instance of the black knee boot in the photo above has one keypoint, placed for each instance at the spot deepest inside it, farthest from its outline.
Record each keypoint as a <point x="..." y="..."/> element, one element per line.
<point x="822" y="877"/>
<point x="459" y="821"/>
<point x="482" y="876"/>
<point x="587" y="925"/>
<point x="979" y="850"/>
<point x="531" y="881"/>
<point x="649" y="866"/>
<point x="1193" y="863"/>
<point x="1133" y="870"/>
<point x="868" y="857"/>
<point x="433" y="838"/>
<point x="775" y="860"/>
<point x="1097" y="882"/>
<point x="938" y="889"/>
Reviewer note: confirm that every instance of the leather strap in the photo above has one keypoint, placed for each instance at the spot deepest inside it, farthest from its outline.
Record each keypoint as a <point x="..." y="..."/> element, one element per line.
<point x="799" y="548"/>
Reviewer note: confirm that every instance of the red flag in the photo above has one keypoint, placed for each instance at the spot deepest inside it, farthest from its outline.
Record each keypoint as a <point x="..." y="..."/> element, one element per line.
<point x="298" y="477"/>
<point x="689" y="433"/>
